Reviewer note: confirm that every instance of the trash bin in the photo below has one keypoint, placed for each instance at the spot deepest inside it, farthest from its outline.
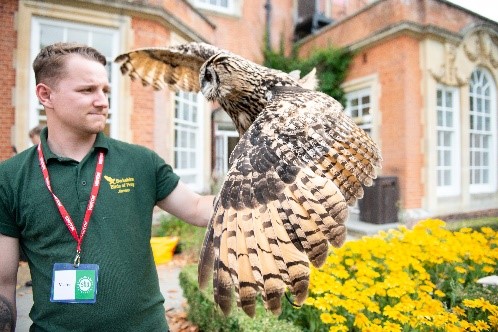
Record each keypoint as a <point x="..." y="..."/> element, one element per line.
<point x="379" y="204"/>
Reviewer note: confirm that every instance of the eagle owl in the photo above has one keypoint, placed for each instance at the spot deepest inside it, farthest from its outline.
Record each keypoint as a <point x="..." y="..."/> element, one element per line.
<point x="300" y="161"/>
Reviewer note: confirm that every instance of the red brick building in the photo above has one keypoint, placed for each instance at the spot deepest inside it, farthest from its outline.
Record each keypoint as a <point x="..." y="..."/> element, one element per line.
<point x="423" y="82"/>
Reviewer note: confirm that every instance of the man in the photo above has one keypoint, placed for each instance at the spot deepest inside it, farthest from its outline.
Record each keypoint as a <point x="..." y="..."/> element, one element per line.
<point x="34" y="134"/>
<point x="81" y="203"/>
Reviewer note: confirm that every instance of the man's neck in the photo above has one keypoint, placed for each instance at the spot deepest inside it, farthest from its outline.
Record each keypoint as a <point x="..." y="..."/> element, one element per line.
<point x="71" y="147"/>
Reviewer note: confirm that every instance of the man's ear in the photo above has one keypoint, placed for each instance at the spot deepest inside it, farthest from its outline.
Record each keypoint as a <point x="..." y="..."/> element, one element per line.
<point x="43" y="92"/>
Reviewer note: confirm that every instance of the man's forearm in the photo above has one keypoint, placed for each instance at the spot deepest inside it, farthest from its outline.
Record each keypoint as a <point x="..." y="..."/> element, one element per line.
<point x="8" y="315"/>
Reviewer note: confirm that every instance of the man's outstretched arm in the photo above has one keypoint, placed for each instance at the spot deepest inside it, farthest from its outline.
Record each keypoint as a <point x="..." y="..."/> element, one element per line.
<point x="9" y="263"/>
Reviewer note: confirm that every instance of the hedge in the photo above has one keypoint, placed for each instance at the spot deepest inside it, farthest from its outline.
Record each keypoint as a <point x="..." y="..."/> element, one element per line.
<point x="204" y="313"/>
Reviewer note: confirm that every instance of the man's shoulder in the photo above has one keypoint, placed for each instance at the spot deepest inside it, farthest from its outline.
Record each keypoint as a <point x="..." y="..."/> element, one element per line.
<point x="19" y="161"/>
<point x="115" y="144"/>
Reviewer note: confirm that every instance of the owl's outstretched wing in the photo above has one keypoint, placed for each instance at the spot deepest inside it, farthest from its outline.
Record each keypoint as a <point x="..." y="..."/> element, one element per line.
<point x="176" y="66"/>
<point x="285" y="199"/>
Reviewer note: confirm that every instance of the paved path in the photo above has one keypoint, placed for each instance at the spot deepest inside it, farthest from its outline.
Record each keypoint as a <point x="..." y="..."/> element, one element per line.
<point x="168" y="282"/>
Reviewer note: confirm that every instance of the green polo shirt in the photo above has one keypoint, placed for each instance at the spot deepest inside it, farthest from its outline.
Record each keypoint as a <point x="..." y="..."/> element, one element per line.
<point x="118" y="236"/>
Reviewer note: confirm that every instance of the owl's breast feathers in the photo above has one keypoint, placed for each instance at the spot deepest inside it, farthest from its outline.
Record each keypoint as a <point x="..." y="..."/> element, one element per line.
<point x="285" y="198"/>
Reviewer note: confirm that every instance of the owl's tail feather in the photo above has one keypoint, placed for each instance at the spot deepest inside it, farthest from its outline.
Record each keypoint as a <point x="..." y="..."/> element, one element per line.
<point x="222" y="281"/>
<point x="248" y="287"/>
<point x="296" y="268"/>
<point x="206" y="258"/>
<point x="325" y="205"/>
<point x="273" y="281"/>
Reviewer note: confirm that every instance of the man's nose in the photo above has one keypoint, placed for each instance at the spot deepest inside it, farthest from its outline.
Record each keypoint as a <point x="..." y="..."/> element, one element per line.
<point x="102" y="99"/>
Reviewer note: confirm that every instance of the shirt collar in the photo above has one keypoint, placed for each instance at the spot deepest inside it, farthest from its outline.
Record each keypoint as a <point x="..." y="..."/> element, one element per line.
<point x="101" y="142"/>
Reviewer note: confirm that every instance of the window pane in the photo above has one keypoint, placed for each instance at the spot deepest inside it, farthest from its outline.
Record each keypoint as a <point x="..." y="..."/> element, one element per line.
<point x="446" y="117"/>
<point x="449" y="119"/>
<point x="77" y="36"/>
<point x="447" y="178"/>
<point x="447" y="158"/>
<point x="449" y="99"/>
<point x="103" y="42"/>
<point x="50" y="34"/>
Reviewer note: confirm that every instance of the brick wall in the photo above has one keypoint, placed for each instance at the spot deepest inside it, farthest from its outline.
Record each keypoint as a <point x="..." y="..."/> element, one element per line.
<point x="387" y="13"/>
<point x="396" y="62"/>
<point x="245" y="35"/>
<point x="146" y="34"/>
<point x="8" y="41"/>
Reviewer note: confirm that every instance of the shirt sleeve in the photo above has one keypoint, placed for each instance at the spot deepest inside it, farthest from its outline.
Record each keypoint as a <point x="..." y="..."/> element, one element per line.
<point x="167" y="180"/>
<point x="7" y="217"/>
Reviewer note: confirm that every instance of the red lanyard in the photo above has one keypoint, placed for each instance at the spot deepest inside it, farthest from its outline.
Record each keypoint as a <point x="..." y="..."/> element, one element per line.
<point x="62" y="210"/>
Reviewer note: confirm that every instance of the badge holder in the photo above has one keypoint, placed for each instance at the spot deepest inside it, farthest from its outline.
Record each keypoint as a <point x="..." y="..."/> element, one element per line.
<point x="73" y="283"/>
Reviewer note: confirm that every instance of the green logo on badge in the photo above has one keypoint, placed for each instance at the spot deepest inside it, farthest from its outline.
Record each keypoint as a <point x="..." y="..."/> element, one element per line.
<point x="85" y="285"/>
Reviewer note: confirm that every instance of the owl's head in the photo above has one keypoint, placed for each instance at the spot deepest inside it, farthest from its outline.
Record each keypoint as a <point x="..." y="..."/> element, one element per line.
<point x="226" y="76"/>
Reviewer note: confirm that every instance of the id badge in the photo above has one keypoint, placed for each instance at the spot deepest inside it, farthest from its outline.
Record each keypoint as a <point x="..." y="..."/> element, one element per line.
<point x="74" y="285"/>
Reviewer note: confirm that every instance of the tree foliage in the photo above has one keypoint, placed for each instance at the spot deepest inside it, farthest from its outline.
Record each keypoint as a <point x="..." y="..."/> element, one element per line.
<point x="331" y="65"/>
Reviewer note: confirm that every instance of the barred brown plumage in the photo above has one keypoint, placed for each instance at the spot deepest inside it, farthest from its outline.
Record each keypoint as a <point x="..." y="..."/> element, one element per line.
<point x="299" y="163"/>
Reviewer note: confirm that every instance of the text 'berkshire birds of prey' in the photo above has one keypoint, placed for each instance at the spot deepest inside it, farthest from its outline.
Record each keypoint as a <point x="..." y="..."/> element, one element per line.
<point x="300" y="161"/>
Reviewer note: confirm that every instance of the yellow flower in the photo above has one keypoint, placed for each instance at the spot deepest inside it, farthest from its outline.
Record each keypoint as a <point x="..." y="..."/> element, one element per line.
<point x="458" y="311"/>
<point x="387" y="282"/>
<point x="338" y="328"/>
<point x="392" y="327"/>
<point x="488" y="269"/>
<point x="493" y="320"/>
<point x="361" y="321"/>
<point x="480" y="325"/>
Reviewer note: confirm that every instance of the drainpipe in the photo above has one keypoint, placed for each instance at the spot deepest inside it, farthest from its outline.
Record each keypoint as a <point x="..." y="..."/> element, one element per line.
<point x="268" y="24"/>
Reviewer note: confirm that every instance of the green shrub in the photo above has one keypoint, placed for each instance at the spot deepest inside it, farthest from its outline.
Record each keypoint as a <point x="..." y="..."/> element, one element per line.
<point x="331" y="66"/>
<point x="209" y="318"/>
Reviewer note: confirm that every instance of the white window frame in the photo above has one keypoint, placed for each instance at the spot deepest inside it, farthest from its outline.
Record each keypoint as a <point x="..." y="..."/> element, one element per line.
<point x="363" y="121"/>
<point x="34" y="106"/>
<point x="482" y="128"/>
<point x="221" y="149"/>
<point x="186" y="147"/>
<point x="448" y="129"/>
<point x="217" y="5"/>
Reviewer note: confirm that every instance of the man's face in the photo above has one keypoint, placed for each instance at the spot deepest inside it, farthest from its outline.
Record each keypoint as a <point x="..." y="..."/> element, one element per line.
<point x="80" y="98"/>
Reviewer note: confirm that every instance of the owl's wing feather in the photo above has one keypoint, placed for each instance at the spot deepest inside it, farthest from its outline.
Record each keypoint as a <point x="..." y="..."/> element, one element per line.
<point x="284" y="199"/>
<point x="176" y="66"/>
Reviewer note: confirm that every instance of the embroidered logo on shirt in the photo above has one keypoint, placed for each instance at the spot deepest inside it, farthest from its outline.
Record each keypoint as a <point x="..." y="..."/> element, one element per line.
<point x="123" y="185"/>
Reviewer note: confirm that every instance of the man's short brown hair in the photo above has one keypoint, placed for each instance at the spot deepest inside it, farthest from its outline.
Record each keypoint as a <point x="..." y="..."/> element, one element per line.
<point x="49" y="64"/>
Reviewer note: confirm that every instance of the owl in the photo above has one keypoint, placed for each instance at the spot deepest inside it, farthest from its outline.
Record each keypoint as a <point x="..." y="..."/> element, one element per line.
<point x="299" y="163"/>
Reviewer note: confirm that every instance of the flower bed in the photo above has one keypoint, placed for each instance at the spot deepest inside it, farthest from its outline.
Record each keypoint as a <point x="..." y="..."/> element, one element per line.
<point x="410" y="280"/>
